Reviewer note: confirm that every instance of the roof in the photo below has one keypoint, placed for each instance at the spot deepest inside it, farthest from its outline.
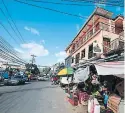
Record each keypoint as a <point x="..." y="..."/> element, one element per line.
<point x="118" y="17"/>
<point x="97" y="11"/>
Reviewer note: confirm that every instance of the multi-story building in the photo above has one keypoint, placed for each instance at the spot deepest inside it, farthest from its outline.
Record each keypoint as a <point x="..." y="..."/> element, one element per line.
<point x="101" y="28"/>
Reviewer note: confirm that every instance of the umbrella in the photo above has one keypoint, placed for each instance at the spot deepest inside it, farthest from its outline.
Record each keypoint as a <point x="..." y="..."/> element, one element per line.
<point x="66" y="71"/>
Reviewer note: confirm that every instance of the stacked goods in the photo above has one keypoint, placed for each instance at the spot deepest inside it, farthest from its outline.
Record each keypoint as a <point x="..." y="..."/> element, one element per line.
<point x="80" y="94"/>
<point x="93" y="105"/>
<point x="73" y="99"/>
<point x="66" y="90"/>
<point x="113" y="103"/>
<point x="83" y="98"/>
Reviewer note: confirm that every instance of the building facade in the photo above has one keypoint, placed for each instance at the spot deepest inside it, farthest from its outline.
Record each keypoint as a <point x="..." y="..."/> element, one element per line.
<point x="100" y="29"/>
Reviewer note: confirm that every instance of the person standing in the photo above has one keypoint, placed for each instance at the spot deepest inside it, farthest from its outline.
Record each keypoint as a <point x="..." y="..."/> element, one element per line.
<point x="10" y="74"/>
<point x="29" y="75"/>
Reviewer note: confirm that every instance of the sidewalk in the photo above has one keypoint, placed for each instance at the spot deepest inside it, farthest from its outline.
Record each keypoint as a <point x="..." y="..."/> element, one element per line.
<point x="76" y="109"/>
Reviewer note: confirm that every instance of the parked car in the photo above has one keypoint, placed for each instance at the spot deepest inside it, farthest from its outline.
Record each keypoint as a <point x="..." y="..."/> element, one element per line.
<point x="1" y="79"/>
<point x="16" y="80"/>
<point x="33" y="77"/>
<point x="40" y="78"/>
<point x="43" y="78"/>
<point x="25" y="77"/>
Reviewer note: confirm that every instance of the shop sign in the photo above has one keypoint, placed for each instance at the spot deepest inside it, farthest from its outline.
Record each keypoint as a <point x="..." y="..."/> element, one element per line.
<point x="97" y="48"/>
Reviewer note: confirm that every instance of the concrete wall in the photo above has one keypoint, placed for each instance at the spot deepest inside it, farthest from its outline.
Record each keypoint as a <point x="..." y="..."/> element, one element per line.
<point x="99" y="38"/>
<point x="68" y="61"/>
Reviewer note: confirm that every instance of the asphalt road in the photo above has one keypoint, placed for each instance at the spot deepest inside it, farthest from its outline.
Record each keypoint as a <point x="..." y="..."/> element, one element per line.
<point x="35" y="97"/>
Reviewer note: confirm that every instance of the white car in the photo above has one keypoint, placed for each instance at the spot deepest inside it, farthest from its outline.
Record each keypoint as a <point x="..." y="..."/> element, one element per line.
<point x="45" y="78"/>
<point x="40" y="78"/>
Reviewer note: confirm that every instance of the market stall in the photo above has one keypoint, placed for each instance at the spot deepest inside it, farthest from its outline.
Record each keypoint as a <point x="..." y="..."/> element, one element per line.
<point x="100" y="86"/>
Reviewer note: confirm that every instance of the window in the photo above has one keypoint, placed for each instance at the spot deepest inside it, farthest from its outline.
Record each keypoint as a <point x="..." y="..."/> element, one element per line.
<point x="106" y="45"/>
<point x="90" y="52"/>
<point x="83" y="54"/>
<point x="97" y="27"/>
<point x="77" y="58"/>
<point x="91" y="32"/>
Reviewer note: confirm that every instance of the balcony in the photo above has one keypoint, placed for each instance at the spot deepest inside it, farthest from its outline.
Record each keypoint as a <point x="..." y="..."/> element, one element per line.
<point x="91" y="32"/>
<point x="117" y="44"/>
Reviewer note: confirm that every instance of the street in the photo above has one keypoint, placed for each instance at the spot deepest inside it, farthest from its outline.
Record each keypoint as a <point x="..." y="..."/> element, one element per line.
<point x="35" y="97"/>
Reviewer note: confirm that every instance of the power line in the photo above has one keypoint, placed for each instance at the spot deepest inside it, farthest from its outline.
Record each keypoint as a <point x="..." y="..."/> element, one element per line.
<point x="54" y="10"/>
<point x="90" y="1"/>
<point x="104" y="3"/>
<point x="9" y="23"/>
<point x="12" y="20"/>
<point x="8" y="32"/>
<point x="58" y="3"/>
<point x="101" y="2"/>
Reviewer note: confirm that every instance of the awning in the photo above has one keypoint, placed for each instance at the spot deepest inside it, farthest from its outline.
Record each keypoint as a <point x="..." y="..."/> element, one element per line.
<point x="66" y="71"/>
<point x="110" y="68"/>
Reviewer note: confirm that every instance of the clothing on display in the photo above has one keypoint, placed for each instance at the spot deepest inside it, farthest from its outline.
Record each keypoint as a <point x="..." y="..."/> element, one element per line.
<point x="85" y="96"/>
<point x="90" y="104"/>
<point x="113" y="102"/>
<point x="81" y="75"/>
<point x="106" y="97"/>
<point x="96" y="106"/>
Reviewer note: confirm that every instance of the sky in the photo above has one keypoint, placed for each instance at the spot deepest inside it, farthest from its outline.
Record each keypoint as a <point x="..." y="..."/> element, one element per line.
<point x="46" y="33"/>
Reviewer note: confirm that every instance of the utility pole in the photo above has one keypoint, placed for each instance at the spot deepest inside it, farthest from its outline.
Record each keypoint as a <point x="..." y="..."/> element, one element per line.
<point x="33" y="58"/>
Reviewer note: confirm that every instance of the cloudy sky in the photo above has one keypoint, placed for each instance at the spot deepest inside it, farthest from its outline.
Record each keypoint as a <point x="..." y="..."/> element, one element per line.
<point x="46" y="33"/>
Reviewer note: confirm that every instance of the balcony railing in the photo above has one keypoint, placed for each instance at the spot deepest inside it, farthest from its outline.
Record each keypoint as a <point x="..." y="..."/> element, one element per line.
<point x="117" y="44"/>
<point x="93" y="31"/>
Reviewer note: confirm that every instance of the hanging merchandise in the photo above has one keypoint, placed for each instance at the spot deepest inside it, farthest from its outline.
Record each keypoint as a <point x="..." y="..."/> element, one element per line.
<point x="96" y="106"/>
<point x="84" y="98"/>
<point x="106" y="97"/>
<point x="90" y="104"/>
<point x="81" y="75"/>
<point x="95" y="79"/>
<point x="113" y="102"/>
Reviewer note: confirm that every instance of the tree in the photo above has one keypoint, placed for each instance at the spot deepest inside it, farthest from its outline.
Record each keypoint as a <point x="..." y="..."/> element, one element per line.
<point x="59" y="67"/>
<point x="46" y="70"/>
<point x="32" y="68"/>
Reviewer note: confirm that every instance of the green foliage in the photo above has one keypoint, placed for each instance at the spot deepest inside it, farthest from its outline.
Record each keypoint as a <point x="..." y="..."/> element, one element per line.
<point x="32" y="68"/>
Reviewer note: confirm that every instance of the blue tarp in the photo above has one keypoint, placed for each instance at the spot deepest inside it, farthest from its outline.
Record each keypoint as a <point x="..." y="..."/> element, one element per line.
<point x="5" y="75"/>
